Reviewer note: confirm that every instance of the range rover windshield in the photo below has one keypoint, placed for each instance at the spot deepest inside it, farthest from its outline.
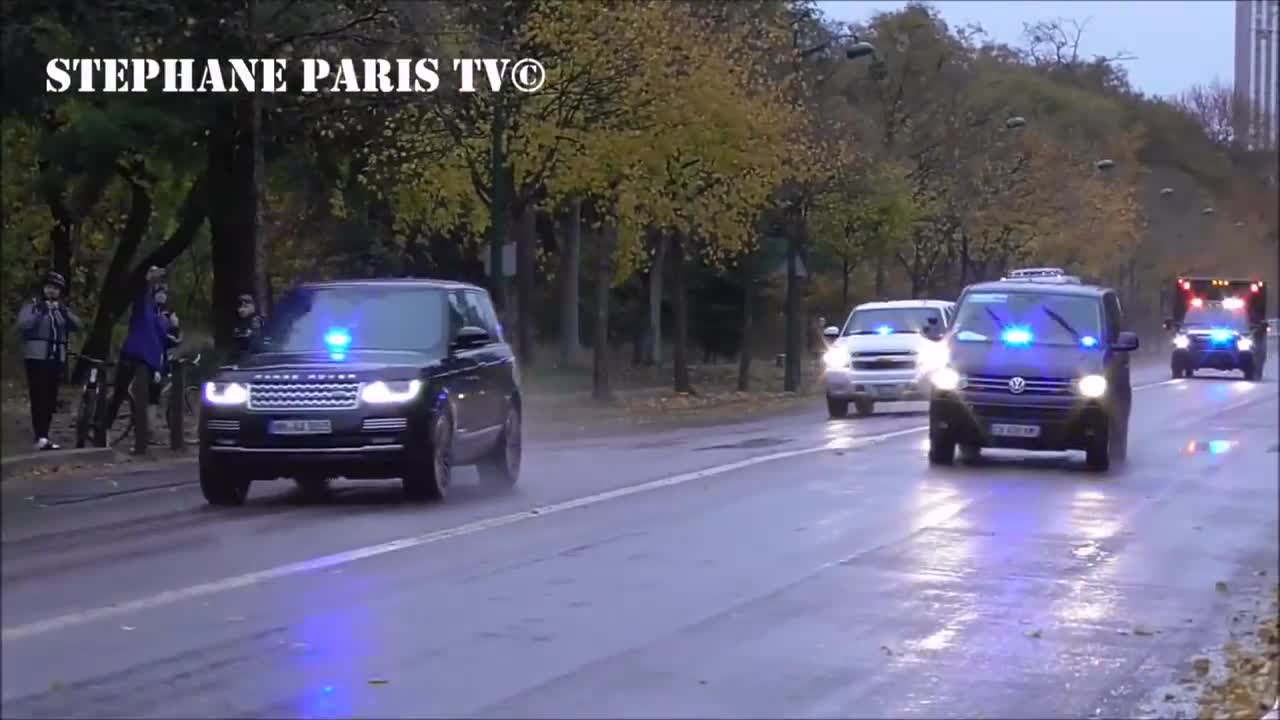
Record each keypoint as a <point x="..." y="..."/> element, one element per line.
<point x="1029" y="318"/>
<point x="885" y="321"/>
<point x="340" y="319"/>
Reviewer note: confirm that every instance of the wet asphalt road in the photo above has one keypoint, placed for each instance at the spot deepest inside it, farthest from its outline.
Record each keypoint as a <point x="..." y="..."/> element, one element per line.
<point x="702" y="573"/>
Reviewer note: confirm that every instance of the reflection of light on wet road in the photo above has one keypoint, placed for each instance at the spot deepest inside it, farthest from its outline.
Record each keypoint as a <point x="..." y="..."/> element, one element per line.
<point x="1089" y="515"/>
<point x="1213" y="447"/>
<point x="942" y="639"/>
<point x="1090" y="600"/>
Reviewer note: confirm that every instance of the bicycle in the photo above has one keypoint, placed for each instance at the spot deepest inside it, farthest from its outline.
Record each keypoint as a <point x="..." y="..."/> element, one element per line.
<point x="92" y="400"/>
<point x="190" y="405"/>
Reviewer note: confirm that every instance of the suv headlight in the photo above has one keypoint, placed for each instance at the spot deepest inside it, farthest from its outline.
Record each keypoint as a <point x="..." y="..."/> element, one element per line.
<point x="1182" y="342"/>
<point x="1092" y="386"/>
<point x="384" y="392"/>
<point x="836" y="358"/>
<point x="932" y="356"/>
<point x="945" y="378"/>
<point x="221" y="393"/>
<point x="1244" y="343"/>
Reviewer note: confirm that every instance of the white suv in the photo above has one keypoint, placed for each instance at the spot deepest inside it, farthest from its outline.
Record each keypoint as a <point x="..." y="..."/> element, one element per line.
<point x="877" y="355"/>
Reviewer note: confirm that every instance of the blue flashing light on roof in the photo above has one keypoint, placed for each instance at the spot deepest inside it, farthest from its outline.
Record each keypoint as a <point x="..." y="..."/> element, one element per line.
<point x="337" y="338"/>
<point x="884" y="330"/>
<point x="1017" y="336"/>
<point x="1089" y="341"/>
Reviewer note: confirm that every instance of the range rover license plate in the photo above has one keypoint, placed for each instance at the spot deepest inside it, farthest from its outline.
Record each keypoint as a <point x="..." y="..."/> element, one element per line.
<point x="1016" y="431"/>
<point x="300" y="427"/>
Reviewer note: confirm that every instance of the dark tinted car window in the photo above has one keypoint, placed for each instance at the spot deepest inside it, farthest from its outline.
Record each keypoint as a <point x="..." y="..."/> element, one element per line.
<point x="889" y="320"/>
<point x="480" y="309"/>
<point x="1213" y="314"/>
<point x="1040" y="318"/>
<point x="369" y="317"/>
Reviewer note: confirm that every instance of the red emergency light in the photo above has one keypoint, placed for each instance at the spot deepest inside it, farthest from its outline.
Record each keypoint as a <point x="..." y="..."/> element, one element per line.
<point x="1253" y="288"/>
<point x="1186" y="284"/>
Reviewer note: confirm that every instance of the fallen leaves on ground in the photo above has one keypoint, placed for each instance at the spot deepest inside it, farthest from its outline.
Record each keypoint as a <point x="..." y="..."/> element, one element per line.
<point x="1253" y="674"/>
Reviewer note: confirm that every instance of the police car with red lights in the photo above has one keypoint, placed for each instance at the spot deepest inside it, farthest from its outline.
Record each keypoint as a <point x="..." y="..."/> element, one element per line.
<point x="1035" y="361"/>
<point x="1218" y="324"/>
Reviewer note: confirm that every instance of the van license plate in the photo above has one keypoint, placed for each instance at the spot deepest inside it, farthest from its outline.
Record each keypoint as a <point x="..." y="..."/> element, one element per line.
<point x="300" y="427"/>
<point x="1016" y="431"/>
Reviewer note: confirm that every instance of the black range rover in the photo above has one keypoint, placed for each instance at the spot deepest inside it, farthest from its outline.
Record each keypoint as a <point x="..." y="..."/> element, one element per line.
<point x="1036" y="364"/>
<point x="364" y="379"/>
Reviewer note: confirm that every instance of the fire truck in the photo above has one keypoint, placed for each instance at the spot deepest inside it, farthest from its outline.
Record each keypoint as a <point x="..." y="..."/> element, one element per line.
<point x="1218" y="324"/>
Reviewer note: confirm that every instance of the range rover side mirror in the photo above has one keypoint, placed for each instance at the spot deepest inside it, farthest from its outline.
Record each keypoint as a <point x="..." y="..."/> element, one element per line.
<point x="1126" y="342"/>
<point x="469" y="337"/>
<point x="831" y="332"/>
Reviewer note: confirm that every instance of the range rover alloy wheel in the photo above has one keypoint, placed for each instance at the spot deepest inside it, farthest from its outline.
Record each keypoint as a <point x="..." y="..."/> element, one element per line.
<point x="219" y="486"/>
<point x="430" y="479"/>
<point x="501" y="467"/>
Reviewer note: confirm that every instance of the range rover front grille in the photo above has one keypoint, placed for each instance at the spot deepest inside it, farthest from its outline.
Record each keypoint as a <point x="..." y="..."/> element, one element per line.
<point x="303" y="396"/>
<point x="1032" y="385"/>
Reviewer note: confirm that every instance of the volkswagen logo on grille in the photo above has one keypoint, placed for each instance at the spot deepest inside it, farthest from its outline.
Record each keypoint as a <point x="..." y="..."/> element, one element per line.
<point x="1017" y="385"/>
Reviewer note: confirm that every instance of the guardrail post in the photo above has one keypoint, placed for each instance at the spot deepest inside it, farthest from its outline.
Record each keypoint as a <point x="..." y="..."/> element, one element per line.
<point x="141" y="396"/>
<point x="177" y="398"/>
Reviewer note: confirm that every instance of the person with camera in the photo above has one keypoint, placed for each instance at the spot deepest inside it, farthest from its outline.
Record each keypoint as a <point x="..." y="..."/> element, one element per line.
<point x="144" y="346"/>
<point x="45" y="324"/>
<point x="248" y="328"/>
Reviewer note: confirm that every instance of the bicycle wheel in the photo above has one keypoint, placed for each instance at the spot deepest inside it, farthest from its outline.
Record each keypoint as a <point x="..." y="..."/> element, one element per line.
<point x="84" y="417"/>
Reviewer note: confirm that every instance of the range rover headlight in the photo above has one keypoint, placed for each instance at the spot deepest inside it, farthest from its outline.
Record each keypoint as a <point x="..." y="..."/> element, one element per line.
<point x="945" y="378"/>
<point x="1244" y="344"/>
<point x="226" y="394"/>
<point x="1182" y="342"/>
<point x="1092" y="386"/>
<point x="386" y="392"/>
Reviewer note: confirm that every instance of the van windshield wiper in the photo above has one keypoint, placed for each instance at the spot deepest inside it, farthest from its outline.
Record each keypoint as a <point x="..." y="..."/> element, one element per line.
<point x="1059" y="319"/>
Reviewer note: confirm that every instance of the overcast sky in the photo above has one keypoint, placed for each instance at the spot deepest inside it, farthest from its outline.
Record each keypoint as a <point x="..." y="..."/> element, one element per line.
<point x="1158" y="32"/>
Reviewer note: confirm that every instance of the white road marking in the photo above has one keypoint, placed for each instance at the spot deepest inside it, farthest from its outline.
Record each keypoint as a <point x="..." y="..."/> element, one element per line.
<point x="63" y="622"/>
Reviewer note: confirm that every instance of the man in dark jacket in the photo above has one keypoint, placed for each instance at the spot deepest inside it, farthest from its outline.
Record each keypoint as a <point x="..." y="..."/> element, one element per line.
<point x="143" y="345"/>
<point x="45" y="324"/>
<point x="248" y="329"/>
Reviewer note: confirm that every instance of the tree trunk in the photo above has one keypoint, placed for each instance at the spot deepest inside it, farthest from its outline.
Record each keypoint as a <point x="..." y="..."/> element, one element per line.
<point x="498" y="206"/>
<point x="230" y="217"/>
<point x="880" y="276"/>
<point x="111" y="295"/>
<point x="526" y="266"/>
<point x="653" y="352"/>
<point x="744" y="349"/>
<point x="600" y="389"/>
<point x="570" y="259"/>
<point x="794" y="345"/>
<point x="680" y="306"/>
<point x="257" y="197"/>
<point x="844" y="283"/>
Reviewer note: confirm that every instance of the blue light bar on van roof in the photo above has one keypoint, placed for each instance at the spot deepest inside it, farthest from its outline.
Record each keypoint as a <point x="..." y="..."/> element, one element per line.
<point x="1016" y="336"/>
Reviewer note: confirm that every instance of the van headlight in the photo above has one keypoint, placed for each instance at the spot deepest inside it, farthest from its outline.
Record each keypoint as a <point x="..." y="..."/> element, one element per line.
<point x="1092" y="386"/>
<point x="386" y="392"/>
<point x="1244" y="344"/>
<point x="836" y="358"/>
<point x="225" y="394"/>
<point x="945" y="378"/>
<point x="1182" y="342"/>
